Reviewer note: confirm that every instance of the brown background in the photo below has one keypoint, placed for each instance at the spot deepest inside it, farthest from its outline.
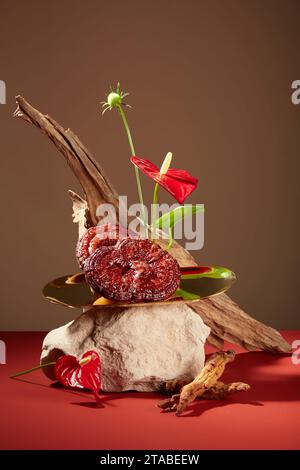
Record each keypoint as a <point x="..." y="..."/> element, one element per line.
<point x="209" y="80"/>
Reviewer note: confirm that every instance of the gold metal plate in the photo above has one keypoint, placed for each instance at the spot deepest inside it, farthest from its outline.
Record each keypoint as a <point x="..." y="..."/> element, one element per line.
<point x="73" y="291"/>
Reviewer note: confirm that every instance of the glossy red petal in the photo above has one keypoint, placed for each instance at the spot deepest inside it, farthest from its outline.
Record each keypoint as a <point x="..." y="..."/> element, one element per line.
<point x="67" y="371"/>
<point x="182" y="175"/>
<point x="91" y="372"/>
<point x="180" y="186"/>
<point x="179" y="183"/>
<point x="70" y="373"/>
<point x="145" y="166"/>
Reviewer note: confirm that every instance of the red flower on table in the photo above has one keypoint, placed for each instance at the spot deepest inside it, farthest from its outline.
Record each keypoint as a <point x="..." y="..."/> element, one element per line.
<point x="85" y="373"/>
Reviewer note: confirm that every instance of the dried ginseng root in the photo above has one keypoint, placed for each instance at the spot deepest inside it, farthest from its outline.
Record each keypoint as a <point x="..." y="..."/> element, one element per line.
<point x="205" y="385"/>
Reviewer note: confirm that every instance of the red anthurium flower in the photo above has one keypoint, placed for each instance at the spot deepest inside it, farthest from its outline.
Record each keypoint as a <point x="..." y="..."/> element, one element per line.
<point x="179" y="183"/>
<point x="85" y="373"/>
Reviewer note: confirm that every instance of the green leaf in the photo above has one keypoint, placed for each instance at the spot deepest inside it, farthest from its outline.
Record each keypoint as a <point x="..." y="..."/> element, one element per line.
<point x="171" y="218"/>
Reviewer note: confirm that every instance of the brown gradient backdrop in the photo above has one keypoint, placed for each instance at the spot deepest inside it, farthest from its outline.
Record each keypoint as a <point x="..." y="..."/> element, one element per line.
<point x="209" y="80"/>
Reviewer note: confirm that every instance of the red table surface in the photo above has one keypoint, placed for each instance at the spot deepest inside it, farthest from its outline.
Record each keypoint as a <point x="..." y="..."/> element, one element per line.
<point x="36" y="415"/>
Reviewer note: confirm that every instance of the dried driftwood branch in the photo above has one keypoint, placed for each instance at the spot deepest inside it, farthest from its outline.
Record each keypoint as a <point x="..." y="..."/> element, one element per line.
<point x="205" y="385"/>
<point x="95" y="184"/>
<point x="81" y="213"/>
<point x="225" y="318"/>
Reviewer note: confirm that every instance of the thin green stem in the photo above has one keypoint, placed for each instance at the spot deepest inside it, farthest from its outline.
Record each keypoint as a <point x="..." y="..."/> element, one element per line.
<point x="127" y="129"/>
<point x="32" y="369"/>
<point x="154" y="210"/>
<point x="137" y="175"/>
<point x="170" y="239"/>
<point x="154" y="214"/>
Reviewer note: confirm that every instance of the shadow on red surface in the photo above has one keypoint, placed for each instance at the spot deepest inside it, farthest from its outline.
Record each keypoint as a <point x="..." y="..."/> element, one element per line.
<point x="251" y="367"/>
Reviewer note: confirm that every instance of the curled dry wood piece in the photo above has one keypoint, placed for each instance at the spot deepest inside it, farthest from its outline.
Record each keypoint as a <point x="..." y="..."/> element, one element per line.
<point x="95" y="185"/>
<point x="81" y="214"/>
<point x="205" y="385"/>
<point x="225" y="318"/>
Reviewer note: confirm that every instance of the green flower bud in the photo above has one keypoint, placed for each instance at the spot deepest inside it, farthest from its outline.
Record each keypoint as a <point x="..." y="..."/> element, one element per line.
<point x="114" y="99"/>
